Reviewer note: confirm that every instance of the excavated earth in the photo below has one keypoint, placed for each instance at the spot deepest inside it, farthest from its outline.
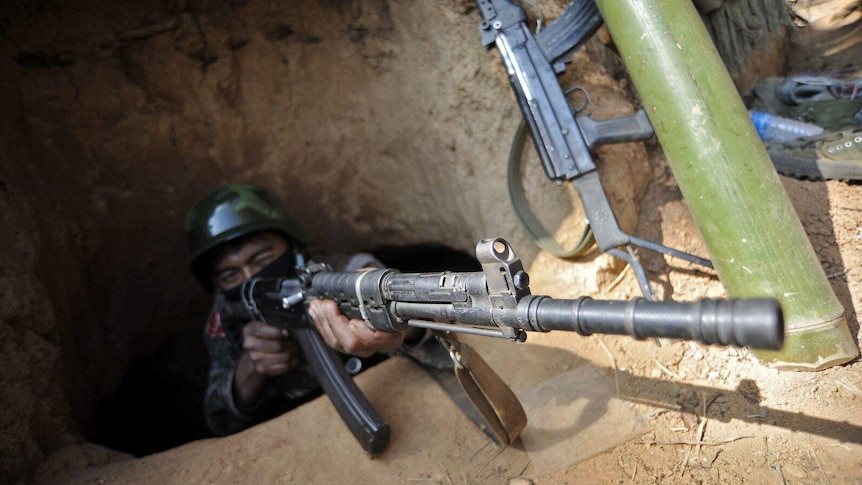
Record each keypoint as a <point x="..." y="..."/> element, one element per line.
<point x="382" y="125"/>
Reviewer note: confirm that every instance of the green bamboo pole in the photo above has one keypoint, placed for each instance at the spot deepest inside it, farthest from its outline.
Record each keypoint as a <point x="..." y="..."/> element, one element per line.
<point x="757" y="244"/>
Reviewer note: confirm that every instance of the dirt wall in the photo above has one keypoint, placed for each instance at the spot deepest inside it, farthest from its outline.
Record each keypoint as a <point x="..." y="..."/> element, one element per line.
<point x="379" y="123"/>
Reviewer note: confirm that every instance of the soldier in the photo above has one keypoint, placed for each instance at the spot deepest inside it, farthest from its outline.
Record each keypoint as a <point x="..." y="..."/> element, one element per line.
<point x="256" y="370"/>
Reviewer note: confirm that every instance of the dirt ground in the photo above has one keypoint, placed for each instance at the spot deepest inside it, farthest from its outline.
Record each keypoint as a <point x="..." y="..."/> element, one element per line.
<point x="761" y="425"/>
<point x="754" y="424"/>
<point x="708" y="415"/>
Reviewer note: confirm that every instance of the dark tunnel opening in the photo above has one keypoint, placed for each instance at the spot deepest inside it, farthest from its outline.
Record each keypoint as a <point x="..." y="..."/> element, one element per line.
<point x="159" y="403"/>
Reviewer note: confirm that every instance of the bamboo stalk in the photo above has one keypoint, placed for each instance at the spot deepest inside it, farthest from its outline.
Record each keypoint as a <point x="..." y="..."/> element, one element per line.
<point x="756" y="241"/>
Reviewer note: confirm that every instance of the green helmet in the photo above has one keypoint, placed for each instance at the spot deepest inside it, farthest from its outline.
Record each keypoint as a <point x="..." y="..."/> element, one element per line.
<point x="228" y="213"/>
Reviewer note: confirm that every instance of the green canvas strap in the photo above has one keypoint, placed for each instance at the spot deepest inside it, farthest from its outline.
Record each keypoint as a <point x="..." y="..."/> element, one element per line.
<point x="525" y="215"/>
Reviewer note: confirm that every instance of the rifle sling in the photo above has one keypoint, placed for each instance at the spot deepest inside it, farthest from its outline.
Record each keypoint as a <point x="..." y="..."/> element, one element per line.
<point x="492" y="397"/>
<point x="477" y="390"/>
<point x="541" y="237"/>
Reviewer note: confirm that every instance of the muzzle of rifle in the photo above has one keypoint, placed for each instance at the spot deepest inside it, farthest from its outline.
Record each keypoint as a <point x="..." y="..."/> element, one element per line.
<point x="755" y="323"/>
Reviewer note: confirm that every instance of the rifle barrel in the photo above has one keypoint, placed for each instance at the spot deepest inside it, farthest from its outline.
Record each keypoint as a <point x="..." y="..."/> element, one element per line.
<point x="756" y="323"/>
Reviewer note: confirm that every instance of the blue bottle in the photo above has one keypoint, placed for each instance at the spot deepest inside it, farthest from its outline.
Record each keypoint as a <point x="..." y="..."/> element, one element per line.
<point x="777" y="129"/>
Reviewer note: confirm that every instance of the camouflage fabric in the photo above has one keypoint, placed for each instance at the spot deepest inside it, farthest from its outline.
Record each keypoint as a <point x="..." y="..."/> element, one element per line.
<point x="223" y="339"/>
<point x="740" y="28"/>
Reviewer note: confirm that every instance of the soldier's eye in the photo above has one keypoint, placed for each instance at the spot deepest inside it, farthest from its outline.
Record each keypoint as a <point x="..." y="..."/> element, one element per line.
<point x="228" y="279"/>
<point x="263" y="259"/>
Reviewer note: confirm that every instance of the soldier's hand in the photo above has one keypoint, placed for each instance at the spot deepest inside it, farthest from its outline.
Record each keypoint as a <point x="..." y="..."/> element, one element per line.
<point x="270" y="350"/>
<point x="349" y="336"/>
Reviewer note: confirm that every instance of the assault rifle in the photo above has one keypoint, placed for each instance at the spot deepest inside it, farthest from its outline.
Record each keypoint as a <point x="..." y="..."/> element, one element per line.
<point x="563" y="141"/>
<point x="494" y="302"/>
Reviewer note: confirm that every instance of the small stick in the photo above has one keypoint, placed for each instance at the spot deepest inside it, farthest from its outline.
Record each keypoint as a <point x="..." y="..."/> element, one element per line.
<point x="700" y="430"/>
<point x="836" y="274"/>
<point x="701" y="443"/>
<point x="847" y="385"/>
<point x="613" y="362"/>
<point x="780" y="474"/>
<point x="477" y="451"/>
<point x="685" y="462"/>
<point x="523" y="469"/>
<point x="616" y="281"/>
<point x="820" y="465"/>
<point x="448" y="477"/>
<point x="666" y="370"/>
<point x="498" y="453"/>
<point x="714" y="457"/>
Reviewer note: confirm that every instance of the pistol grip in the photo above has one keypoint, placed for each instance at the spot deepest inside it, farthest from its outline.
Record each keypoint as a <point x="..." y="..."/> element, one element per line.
<point x="616" y="130"/>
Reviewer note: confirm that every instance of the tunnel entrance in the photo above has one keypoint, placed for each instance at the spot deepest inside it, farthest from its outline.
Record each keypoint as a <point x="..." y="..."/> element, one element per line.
<point x="159" y="403"/>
